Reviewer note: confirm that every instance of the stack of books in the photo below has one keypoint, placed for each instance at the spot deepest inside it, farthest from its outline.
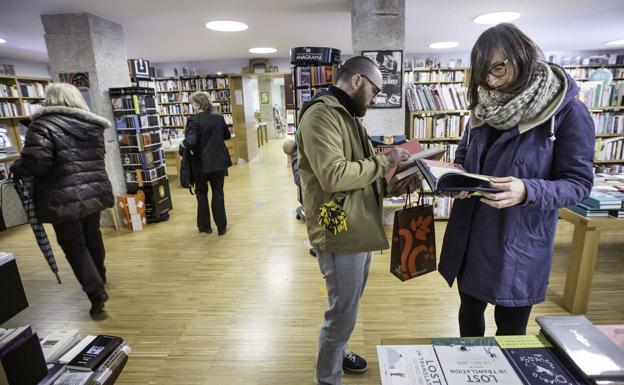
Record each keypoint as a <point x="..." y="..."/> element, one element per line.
<point x="601" y="203"/>
<point x="569" y="351"/>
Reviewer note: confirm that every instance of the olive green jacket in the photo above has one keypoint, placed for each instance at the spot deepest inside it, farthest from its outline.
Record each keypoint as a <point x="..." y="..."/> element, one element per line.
<point x="333" y="167"/>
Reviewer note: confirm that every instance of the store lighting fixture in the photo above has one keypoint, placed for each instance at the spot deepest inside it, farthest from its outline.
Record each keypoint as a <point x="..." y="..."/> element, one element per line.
<point x="2" y="41"/>
<point x="615" y="42"/>
<point x="496" y="17"/>
<point x="263" y="50"/>
<point x="443" y="45"/>
<point x="219" y="73"/>
<point x="226" y="26"/>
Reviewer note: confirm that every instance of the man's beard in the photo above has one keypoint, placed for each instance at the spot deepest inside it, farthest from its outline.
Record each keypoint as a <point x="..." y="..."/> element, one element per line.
<point x="360" y="103"/>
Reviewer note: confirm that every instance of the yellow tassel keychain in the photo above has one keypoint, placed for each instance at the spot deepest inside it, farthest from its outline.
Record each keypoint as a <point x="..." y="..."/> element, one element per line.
<point x="332" y="217"/>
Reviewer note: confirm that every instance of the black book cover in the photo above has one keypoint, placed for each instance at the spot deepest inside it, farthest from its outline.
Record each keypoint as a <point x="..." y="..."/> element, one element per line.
<point x="25" y="364"/>
<point x="540" y="366"/>
<point x="13" y="298"/>
<point x="95" y="353"/>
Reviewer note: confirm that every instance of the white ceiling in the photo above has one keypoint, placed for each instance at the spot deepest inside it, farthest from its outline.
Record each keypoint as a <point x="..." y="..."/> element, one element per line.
<point x="167" y="30"/>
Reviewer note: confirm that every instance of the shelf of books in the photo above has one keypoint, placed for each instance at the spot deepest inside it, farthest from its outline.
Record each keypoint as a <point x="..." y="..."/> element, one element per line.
<point x="174" y="105"/>
<point x="314" y="70"/>
<point x="62" y="357"/>
<point x="20" y="97"/>
<point x="604" y="97"/>
<point x="140" y="146"/>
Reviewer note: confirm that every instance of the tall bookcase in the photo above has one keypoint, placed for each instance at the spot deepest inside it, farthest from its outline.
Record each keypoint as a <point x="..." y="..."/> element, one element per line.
<point x="140" y="146"/>
<point x="436" y="114"/>
<point x="314" y="70"/>
<point x="20" y="96"/>
<point x="606" y="105"/>
<point x="174" y="105"/>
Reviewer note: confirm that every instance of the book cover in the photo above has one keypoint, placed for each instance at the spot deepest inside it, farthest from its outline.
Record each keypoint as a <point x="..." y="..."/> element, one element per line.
<point x="94" y="353"/>
<point x="614" y="332"/>
<point x="464" y="364"/>
<point x="444" y="178"/>
<point x="74" y="378"/>
<point x="409" y="167"/>
<point x="535" y="361"/>
<point x="58" y="343"/>
<point x="595" y="355"/>
<point x="11" y="283"/>
<point x="409" y="365"/>
<point x="55" y="370"/>
<point x="24" y="364"/>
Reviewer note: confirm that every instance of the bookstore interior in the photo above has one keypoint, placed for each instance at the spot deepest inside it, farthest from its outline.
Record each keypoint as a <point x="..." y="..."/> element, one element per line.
<point x="245" y="306"/>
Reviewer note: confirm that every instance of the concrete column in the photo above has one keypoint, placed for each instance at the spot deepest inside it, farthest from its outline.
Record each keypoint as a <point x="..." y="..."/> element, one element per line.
<point x="265" y="85"/>
<point x="379" y="25"/>
<point x="83" y="42"/>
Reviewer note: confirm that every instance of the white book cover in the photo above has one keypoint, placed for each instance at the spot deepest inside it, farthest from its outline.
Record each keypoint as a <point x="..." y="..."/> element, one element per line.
<point x="409" y="365"/>
<point x="468" y="365"/>
<point x="76" y="349"/>
<point x="58" y="343"/>
<point x="5" y="257"/>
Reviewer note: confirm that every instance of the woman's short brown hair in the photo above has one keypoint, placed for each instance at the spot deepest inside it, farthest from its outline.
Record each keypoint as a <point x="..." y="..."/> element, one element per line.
<point x="203" y="99"/>
<point x="521" y="51"/>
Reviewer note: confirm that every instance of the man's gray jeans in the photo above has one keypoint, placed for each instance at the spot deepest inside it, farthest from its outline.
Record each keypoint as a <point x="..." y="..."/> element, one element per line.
<point x="345" y="278"/>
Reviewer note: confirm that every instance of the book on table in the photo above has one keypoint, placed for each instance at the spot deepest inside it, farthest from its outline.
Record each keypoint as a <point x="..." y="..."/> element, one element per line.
<point x="590" y="350"/>
<point x="409" y="364"/>
<point x="92" y="356"/>
<point x="536" y="361"/>
<point x="448" y="178"/>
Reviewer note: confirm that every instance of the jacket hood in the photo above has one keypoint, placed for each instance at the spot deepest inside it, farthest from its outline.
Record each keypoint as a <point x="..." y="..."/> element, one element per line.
<point x="324" y="97"/>
<point x="79" y="123"/>
<point x="568" y="93"/>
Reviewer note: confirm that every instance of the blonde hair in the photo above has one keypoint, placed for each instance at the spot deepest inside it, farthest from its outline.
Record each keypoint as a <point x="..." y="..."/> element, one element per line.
<point x="203" y="99"/>
<point x="63" y="94"/>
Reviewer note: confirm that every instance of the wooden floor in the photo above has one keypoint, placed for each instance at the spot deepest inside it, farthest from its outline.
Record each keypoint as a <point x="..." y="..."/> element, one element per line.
<point x="246" y="308"/>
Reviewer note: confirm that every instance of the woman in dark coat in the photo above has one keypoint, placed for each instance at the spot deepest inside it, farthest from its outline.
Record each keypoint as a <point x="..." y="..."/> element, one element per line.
<point x="64" y="153"/>
<point x="205" y="135"/>
<point x="529" y="132"/>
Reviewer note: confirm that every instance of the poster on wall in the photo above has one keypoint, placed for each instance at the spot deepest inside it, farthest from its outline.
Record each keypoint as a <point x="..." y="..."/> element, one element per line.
<point x="79" y="80"/>
<point x="391" y="65"/>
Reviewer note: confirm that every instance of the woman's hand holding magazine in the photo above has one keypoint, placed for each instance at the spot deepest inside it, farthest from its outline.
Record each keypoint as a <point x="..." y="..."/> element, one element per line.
<point x="513" y="192"/>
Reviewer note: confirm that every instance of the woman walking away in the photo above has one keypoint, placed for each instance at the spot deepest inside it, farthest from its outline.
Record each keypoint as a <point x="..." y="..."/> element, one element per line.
<point x="64" y="153"/>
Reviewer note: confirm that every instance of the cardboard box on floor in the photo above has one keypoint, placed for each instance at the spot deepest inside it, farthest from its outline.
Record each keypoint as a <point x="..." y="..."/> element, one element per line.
<point x="132" y="207"/>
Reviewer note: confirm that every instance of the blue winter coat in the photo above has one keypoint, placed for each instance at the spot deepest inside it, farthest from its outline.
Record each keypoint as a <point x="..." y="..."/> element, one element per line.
<point x="509" y="251"/>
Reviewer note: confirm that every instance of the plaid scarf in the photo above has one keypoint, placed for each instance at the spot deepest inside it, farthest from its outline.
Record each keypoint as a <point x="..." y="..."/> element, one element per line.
<point x="503" y="110"/>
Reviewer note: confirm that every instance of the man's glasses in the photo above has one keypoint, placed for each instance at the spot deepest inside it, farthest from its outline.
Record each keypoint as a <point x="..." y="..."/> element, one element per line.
<point x="375" y="89"/>
<point x="498" y="70"/>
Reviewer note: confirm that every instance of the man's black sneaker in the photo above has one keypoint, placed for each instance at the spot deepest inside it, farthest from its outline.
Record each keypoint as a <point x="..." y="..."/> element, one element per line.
<point x="353" y="363"/>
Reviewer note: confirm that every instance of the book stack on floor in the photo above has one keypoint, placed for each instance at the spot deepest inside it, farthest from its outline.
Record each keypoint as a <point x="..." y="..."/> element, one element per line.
<point x="61" y="358"/>
<point x="570" y="351"/>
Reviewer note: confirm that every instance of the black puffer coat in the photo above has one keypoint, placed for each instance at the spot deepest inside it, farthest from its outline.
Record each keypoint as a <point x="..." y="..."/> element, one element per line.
<point x="64" y="152"/>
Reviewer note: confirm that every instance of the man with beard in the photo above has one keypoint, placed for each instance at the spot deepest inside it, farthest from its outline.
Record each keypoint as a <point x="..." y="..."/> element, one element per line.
<point x="343" y="188"/>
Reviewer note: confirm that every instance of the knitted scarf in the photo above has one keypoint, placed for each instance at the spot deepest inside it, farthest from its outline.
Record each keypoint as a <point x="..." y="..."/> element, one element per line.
<point x="503" y="110"/>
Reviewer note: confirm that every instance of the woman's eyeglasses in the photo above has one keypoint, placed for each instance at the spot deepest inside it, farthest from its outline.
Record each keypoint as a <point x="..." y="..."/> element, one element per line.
<point x="498" y="70"/>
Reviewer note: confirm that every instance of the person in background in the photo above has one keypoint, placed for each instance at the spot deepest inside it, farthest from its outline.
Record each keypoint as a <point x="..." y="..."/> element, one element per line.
<point x="205" y="134"/>
<point x="64" y="153"/>
<point x="531" y="134"/>
<point x="343" y="187"/>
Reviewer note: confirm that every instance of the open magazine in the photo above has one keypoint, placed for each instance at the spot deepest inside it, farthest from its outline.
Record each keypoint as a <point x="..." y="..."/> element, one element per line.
<point x="446" y="178"/>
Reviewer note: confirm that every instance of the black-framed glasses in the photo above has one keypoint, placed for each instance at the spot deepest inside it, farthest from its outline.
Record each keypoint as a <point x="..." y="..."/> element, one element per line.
<point x="499" y="69"/>
<point x="375" y="89"/>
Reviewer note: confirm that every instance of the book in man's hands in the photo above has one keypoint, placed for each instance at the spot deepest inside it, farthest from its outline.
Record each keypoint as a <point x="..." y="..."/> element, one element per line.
<point x="446" y="178"/>
<point x="92" y="356"/>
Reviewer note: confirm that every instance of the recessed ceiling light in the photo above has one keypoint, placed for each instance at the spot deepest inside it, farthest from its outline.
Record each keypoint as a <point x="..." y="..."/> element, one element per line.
<point x="2" y="41"/>
<point x="263" y="50"/>
<point x="496" y="17"/>
<point x="226" y="26"/>
<point x="612" y="42"/>
<point x="443" y="44"/>
<point x="219" y="73"/>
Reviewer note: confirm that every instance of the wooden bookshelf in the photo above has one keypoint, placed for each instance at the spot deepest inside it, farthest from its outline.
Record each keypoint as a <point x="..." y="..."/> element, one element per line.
<point x="21" y="93"/>
<point x="174" y="106"/>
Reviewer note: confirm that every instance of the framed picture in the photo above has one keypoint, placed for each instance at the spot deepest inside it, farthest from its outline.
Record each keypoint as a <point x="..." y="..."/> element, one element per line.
<point x="264" y="97"/>
<point x="391" y="65"/>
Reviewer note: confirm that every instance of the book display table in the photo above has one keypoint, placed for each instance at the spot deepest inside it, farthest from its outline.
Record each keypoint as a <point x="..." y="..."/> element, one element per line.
<point x="583" y="255"/>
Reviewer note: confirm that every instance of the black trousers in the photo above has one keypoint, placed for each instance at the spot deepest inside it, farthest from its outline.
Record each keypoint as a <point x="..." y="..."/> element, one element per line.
<point x="509" y="320"/>
<point x="216" y="180"/>
<point x="82" y="243"/>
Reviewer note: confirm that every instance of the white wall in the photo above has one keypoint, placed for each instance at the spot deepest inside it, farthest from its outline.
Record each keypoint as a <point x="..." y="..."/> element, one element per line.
<point x="28" y="68"/>
<point x="206" y="67"/>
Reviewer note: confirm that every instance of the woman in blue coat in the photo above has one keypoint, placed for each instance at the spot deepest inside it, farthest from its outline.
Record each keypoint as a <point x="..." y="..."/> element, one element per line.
<point x="529" y="132"/>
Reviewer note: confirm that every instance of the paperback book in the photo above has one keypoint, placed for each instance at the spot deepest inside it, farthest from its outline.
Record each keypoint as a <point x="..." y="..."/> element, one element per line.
<point x="409" y="365"/>
<point x="447" y="178"/>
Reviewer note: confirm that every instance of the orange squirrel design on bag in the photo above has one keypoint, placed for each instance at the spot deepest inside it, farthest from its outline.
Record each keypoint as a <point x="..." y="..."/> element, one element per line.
<point x="419" y="230"/>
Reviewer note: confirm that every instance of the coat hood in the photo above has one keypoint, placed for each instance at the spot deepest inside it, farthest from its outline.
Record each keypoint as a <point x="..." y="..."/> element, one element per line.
<point x="79" y="123"/>
<point x="568" y="93"/>
<point x="324" y="97"/>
